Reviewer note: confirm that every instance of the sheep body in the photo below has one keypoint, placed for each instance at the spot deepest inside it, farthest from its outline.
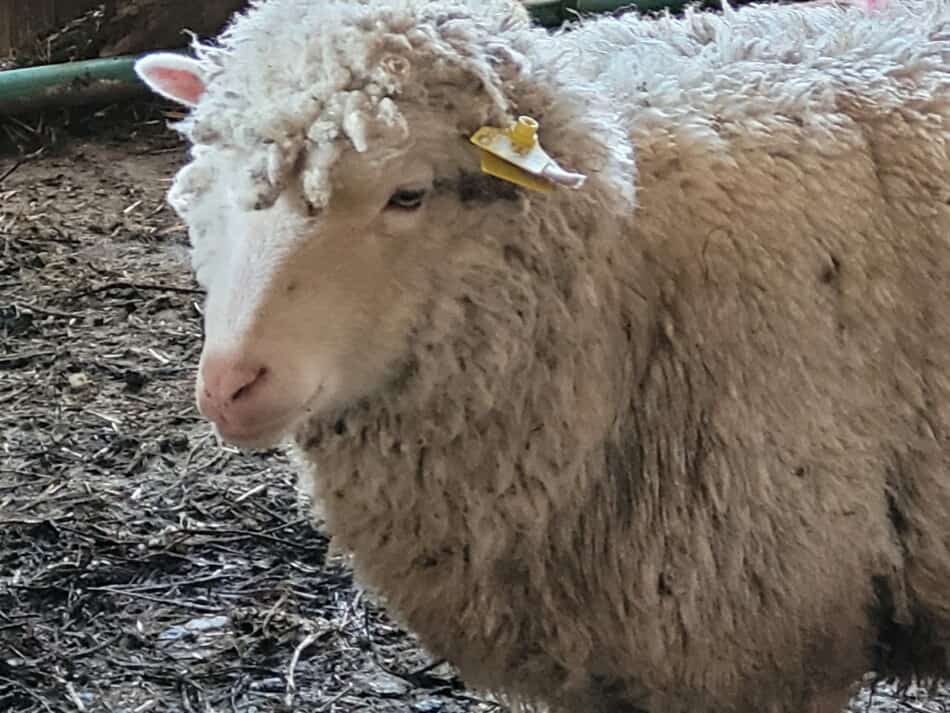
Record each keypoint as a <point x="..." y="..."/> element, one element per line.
<point x="678" y="440"/>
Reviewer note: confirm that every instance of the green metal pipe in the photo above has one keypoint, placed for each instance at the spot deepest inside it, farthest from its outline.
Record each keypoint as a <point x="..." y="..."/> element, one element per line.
<point x="108" y="80"/>
<point x="68" y="84"/>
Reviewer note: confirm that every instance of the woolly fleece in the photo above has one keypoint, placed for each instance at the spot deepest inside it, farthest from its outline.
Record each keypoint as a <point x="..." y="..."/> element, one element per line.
<point x="677" y="441"/>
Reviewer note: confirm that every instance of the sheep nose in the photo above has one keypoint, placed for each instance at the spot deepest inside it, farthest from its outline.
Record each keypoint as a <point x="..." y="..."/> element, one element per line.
<point x="229" y="388"/>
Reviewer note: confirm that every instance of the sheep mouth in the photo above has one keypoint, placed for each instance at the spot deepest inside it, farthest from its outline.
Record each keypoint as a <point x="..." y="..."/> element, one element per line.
<point x="269" y="434"/>
<point x="256" y="438"/>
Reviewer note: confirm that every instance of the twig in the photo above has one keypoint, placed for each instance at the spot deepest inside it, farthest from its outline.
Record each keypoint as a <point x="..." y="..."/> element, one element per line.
<point x="291" y="686"/>
<point x="234" y="534"/>
<point x="185" y="700"/>
<point x="91" y="649"/>
<point x="253" y="491"/>
<point x="9" y="172"/>
<point x="338" y="696"/>
<point x="159" y="600"/>
<point x="28" y="692"/>
<point x="124" y="285"/>
<point x="474" y="699"/>
<point x="14" y="625"/>
<point x="913" y="706"/>
<point x="49" y="312"/>
<point x="27" y="355"/>
<point x="74" y="697"/>
<point x="174" y="583"/>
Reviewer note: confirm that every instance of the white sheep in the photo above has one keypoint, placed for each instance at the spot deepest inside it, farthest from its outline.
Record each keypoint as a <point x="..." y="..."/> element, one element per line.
<point x="658" y="421"/>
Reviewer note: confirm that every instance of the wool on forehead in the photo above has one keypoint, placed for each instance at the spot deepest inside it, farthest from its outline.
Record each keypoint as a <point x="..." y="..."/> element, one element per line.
<point x="292" y="79"/>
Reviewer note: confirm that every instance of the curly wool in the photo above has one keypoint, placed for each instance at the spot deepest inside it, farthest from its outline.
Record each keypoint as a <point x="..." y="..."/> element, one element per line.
<point x="287" y="78"/>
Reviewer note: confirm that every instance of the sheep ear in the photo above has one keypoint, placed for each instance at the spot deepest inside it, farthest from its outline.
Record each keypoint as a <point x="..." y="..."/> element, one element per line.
<point x="173" y="76"/>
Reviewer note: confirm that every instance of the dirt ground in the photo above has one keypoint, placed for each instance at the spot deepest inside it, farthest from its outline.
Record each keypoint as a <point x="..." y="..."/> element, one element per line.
<point x="143" y="567"/>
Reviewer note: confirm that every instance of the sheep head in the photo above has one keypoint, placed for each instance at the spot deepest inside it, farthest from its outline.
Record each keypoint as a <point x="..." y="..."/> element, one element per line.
<point x="338" y="215"/>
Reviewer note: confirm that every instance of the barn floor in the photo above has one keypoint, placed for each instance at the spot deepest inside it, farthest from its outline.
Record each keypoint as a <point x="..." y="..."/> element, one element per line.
<point x="142" y="566"/>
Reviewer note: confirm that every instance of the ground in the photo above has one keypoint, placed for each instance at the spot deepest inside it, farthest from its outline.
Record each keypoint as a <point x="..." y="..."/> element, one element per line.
<point x="143" y="566"/>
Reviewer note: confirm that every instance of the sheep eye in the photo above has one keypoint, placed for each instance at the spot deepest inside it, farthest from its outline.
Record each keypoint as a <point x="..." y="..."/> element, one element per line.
<point x="406" y="199"/>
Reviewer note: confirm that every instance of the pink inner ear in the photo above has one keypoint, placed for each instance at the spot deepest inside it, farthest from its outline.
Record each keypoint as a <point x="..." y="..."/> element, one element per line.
<point x="179" y="83"/>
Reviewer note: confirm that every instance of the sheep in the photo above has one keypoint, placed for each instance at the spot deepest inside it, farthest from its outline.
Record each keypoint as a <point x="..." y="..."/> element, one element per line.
<point x="658" y="422"/>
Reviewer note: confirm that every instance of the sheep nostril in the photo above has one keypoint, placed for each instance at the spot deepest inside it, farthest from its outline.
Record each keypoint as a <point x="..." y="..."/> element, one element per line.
<point x="252" y="383"/>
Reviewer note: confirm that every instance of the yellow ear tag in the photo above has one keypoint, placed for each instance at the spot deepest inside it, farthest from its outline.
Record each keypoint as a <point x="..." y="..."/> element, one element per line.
<point x="515" y="155"/>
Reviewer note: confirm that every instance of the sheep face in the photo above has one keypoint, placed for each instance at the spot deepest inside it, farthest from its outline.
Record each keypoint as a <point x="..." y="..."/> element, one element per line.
<point x="309" y="310"/>
<point x="311" y="307"/>
<point x="350" y="245"/>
